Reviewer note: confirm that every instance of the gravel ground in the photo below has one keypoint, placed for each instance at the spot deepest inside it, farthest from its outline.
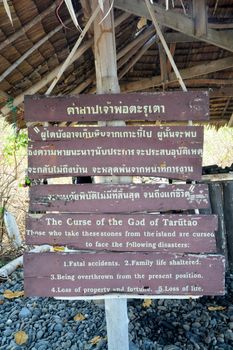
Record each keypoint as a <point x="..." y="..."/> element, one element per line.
<point x="205" y="323"/>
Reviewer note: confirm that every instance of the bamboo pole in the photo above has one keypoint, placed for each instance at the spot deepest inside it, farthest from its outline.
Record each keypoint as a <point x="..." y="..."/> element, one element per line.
<point x="74" y="49"/>
<point x="7" y="269"/>
<point x="143" y="36"/>
<point x="107" y="82"/>
<point x="166" y="48"/>
<point x="140" y="53"/>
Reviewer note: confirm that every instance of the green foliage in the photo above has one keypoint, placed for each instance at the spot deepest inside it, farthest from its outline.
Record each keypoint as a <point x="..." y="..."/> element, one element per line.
<point x="15" y="144"/>
<point x="26" y="183"/>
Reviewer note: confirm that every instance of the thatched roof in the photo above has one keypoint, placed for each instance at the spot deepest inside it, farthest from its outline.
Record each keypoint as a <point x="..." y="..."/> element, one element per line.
<point x="43" y="35"/>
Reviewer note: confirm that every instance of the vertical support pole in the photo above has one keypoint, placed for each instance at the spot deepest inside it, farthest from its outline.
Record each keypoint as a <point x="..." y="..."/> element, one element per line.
<point x="200" y="17"/>
<point x="216" y="201"/>
<point x="107" y="82"/>
<point x="228" y="214"/>
<point x="163" y="65"/>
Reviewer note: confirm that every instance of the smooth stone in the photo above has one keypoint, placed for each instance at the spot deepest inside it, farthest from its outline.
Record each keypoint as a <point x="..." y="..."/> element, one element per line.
<point x="9" y="322"/>
<point x="207" y="339"/>
<point x="196" y="325"/>
<point x="40" y="334"/>
<point x="43" y="347"/>
<point x="68" y="344"/>
<point x="24" y="312"/>
<point x="74" y="347"/>
<point x="132" y="346"/>
<point x="70" y="335"/>
<point x="7" y="332"/>
<point x="58" y="327"/>
<point x="229" y="334"/>
<point x="220" y="339"/>
<point x="101" y="345"/>
<point x="186" y="327"/>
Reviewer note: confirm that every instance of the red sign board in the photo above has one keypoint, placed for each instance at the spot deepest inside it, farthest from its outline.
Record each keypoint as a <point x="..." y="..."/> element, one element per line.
<point x="136" y="106"/>
<point x="104" y="198"/>
<point x="158" y="274"/>
<point x="141" y="232"/>
<point x="118" y="151"/>
<point x="130" y="247"/>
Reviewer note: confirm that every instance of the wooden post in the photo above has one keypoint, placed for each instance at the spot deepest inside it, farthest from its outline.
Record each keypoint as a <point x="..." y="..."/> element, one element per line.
<point x="107" y="82"/>
<point x="228" y="215"/>
<point x="200" y="17"/>
<point x="216" y="201"/>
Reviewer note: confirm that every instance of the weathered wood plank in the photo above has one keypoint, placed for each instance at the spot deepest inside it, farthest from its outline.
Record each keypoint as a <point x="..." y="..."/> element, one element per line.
<point x="117" y="151"/>
<point x="137" y="106"/>
<point x="228" y="215"/>
<point x="216" y="201"/>
<point x="186" y="73"/>
<point x="200" y="18"/>
<point x="141" y="232"/>
<point x="177" y="21"/>
<point x="84" y="274"/>
<point x="105" y="198"/>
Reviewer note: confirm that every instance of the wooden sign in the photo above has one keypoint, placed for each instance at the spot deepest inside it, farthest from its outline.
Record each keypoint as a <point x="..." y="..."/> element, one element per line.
<point x="118" y="151"/>
<point x="136" y="106"/>
<point x="141" y="232"/>
<point x="104" y="198"/>
<point x="157" y="274"/>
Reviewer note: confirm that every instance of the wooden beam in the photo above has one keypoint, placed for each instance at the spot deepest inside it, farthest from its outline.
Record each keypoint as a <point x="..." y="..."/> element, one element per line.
<point x="83" y="86"/>
<point x="187" y="73"/>
<point x="230" y="123"/>
<point x="68" y="60"/>
<point x="204" y="82"/>
<point x="225" y="107"/>
<point x="214" y="25"/>
<point x="141" y="37"/>
<point x="131" y="53"/>
<point x="200" y="17"/>
<point x="172" y="50"/>
<point x="178" y="22"/>
<point x="222" y="92"/>
<point x="179" y="38"/>
<point x="29" y="25"/>
<point x="139" y="54"/>
<point x="166" y="48"/>
<point x="105" y="51"/>
<point x="163" y="65"/>
<point x="163" y="62"/>
<point x="86" y="6"/>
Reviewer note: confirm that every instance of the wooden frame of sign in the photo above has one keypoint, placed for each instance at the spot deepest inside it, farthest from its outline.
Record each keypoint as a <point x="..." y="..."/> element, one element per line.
<point x="146" y="272"/>
<point x="164" y="255"/>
